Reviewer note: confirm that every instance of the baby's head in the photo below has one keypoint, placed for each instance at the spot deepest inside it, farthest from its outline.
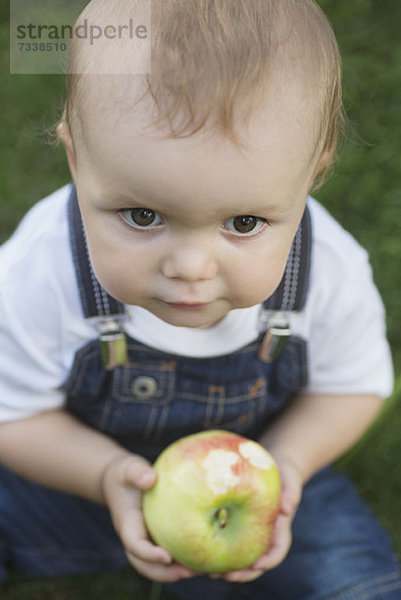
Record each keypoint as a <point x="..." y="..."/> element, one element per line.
<point x="204" y="164"/>
<point x="213" y="62"/>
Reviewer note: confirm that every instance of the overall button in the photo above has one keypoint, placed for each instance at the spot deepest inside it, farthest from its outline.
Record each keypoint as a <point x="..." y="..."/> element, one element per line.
<point x="144" y="387"/>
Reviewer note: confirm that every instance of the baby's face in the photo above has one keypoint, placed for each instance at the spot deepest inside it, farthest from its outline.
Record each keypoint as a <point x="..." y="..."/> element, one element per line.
<point x="192" y="228"/>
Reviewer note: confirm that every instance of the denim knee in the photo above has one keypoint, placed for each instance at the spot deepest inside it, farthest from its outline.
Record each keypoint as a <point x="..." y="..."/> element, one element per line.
<point x="48" y="533"/>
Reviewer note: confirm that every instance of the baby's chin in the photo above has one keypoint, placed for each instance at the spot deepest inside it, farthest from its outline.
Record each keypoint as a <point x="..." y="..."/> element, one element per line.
<point x="190" y="321"/>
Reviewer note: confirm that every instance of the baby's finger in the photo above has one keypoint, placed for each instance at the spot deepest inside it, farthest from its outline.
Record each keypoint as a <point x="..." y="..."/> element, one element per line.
<point x="135" y="540"/>
<point x="243" y="576"/>
<point x="160" y="572"/>
<point x="139" y="473"/>
<point x="291" y="489"/>
<point x="144" y="550"/>
<point x="279" y="546"/>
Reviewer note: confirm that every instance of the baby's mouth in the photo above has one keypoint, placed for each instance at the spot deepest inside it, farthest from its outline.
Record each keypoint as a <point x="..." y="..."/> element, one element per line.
<point x="187" y="305"/>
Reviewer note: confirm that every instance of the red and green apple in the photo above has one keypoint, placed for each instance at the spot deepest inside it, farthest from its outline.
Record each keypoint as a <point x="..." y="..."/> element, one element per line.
<point x="215" y="501"/>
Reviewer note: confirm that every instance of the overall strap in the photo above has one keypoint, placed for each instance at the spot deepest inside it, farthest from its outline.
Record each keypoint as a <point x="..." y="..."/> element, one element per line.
<point x="96" y="302"/>
<point x="290" y="295"/>
<point x="106" y="312"/>
<point x="292" y="291"/>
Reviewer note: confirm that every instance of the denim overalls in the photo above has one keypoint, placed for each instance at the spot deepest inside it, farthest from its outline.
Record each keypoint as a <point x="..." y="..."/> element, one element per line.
<point x="145" y="399"/>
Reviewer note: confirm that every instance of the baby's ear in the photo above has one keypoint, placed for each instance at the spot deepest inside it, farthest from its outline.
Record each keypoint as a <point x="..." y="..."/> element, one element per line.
<point x="323" y="166"/>
<point x="64" y="134"/>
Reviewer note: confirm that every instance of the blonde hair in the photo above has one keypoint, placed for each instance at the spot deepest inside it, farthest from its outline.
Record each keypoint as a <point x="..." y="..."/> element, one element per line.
<point x="213" y="59"/>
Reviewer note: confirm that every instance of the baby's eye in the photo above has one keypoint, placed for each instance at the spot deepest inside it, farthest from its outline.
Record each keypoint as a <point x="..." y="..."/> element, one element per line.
<point x="141" y="217"/>
<point x="244" y="224"/>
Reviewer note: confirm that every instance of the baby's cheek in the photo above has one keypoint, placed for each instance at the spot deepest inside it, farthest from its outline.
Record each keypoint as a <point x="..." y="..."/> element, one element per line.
<point x="117" y="280"/>
<point x="257" y="285"/>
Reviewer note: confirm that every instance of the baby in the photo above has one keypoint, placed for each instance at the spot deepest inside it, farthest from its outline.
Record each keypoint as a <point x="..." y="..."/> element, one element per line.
<point x="186" y="281"/>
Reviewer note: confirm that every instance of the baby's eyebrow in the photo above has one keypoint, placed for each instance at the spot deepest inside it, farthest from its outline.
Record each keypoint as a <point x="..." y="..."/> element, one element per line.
<point x="118" y="198"/>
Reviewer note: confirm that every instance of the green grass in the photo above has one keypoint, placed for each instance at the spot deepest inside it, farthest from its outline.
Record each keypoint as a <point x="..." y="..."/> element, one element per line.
<point x="364" y="194"/>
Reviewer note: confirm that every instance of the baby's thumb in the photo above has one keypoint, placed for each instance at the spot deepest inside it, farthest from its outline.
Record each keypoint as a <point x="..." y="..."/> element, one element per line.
<point x="140" y="474"/>
<point x="291" y="490"/>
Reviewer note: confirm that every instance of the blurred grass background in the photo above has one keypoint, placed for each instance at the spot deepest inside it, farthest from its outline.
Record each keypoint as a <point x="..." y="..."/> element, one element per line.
<point x="364" y="193"/>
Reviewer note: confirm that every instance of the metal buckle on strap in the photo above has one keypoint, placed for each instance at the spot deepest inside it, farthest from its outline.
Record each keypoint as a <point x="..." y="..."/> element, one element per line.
<point x="276" y="337"/>
<point x="113" y="343"/>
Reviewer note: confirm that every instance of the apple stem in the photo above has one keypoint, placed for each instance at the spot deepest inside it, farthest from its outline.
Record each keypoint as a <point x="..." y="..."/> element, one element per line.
<point x="222" y="516"/>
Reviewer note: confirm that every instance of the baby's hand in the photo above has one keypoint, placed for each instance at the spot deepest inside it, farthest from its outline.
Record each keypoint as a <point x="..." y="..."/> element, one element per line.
<point x="123" y="482"/>
<point x="291" y="490"/>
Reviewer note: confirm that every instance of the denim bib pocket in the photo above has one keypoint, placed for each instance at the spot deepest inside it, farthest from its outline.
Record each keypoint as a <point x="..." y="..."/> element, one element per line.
<point x="144" y="383"/>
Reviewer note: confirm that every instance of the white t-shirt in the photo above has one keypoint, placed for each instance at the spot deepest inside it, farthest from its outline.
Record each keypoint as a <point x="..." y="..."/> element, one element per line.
<point x="41" y="322"/>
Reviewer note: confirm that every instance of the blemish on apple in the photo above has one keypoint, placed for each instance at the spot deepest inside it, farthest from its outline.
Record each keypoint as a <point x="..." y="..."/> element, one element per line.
<point x="219" y="474"/>
<point x="255" y="455"/>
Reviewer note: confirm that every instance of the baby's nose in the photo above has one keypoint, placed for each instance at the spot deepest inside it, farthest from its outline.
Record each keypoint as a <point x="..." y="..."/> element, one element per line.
<point x="190" y="263"/>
